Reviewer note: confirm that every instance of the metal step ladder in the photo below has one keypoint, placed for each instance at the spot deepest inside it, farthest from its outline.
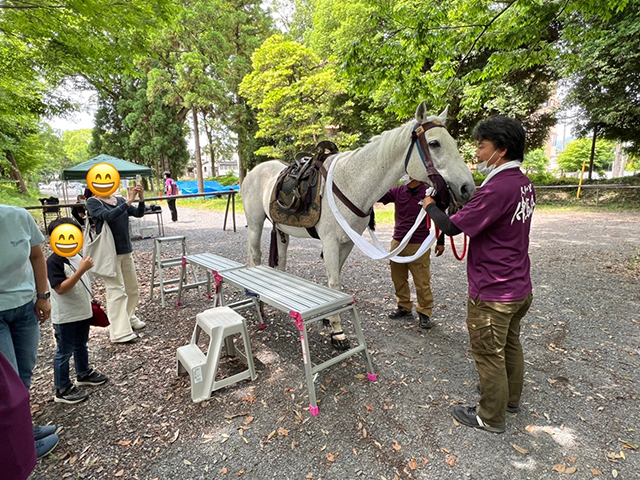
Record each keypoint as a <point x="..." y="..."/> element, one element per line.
<point x="160" y="263"/>
<point x="220" y="324"/>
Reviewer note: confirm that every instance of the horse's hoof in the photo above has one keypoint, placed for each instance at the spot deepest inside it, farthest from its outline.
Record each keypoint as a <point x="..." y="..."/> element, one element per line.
<point x="325" y="321"/>
<point x="340" y="344"/>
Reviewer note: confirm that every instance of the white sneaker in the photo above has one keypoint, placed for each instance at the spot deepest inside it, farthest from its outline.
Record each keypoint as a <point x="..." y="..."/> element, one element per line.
<point x="125" y="339"/>
<point x="136" y="323"/>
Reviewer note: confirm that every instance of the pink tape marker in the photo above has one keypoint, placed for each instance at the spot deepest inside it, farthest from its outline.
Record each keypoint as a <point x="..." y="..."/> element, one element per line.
<point x="298" y="319"/>
<point x="372" y="376"/>
<point x="184" y="261"/>
<point x="314" y="410"/>
<point x="218" y="279"/>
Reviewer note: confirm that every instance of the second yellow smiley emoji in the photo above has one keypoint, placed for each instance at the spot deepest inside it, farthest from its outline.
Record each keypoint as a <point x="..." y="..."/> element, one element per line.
<point x="103" y="179"/>
<point x="66" y="240"/>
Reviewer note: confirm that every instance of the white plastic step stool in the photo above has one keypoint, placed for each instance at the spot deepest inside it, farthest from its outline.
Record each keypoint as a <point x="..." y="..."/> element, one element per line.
<point x="219" y="323"/>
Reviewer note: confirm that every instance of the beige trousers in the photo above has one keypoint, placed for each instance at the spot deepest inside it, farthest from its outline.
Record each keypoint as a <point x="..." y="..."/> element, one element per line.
<point x="421" y="278"/>
<point x="122" y="297"/>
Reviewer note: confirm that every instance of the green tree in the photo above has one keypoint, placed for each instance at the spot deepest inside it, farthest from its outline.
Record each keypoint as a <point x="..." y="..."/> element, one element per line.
<point x="76" y="145"/>
<point x="572" y="157"/>
<point x="535" y="161"/>
<point x="292" y="90"/>
<point x="143" y="131"/>
<point x="602" y="64"/>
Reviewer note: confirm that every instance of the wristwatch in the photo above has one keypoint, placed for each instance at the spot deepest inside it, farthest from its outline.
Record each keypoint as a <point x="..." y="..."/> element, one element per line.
<point x="43" y="296"/>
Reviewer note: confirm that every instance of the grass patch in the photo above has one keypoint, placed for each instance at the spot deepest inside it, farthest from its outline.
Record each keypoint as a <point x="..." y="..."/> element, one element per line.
<point x="217" y="204"/>
<point x="9" y="195"/>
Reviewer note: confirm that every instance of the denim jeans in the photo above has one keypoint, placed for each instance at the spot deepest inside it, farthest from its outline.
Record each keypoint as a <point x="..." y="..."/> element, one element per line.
<point x="19" y="337"/>
<point x="71" y="339"/>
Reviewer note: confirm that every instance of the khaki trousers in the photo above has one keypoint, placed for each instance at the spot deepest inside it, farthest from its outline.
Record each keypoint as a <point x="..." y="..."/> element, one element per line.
<point x="421" y="278"/>
<point x="122" y="297"/>
<point x="494" y="331"/>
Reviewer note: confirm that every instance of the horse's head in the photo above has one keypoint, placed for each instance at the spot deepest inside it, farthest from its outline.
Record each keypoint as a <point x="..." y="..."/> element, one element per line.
<point x="434" y="153"/>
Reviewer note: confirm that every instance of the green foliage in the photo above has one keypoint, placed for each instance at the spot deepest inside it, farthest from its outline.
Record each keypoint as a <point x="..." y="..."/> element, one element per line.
<point x="292" y="89"/>
<point x="143" y="131"/>
<point x="225" y="180"/>
<point x="578" y="151"/>
<point x="602" y="63"/>
<point x="535" y="161"/>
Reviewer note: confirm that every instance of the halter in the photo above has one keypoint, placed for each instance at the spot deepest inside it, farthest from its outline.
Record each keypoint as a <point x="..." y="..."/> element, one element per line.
<point x="418" y="139"/>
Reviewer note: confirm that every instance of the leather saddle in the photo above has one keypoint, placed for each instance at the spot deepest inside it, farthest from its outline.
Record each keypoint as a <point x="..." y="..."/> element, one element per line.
<point x="295" y="199"/>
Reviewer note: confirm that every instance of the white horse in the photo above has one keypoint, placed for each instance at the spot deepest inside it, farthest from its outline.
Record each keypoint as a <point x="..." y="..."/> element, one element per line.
<point x="364" y="176"/>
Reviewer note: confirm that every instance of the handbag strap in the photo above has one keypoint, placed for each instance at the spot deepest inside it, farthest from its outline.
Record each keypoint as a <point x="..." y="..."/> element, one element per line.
<point x="83" y="284"/>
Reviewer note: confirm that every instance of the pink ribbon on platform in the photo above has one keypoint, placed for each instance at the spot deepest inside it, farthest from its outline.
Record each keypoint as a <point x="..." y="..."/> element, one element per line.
<point x="184" y="261"/>
<point x="298" y="319"/>
<point x="218" y="279"/>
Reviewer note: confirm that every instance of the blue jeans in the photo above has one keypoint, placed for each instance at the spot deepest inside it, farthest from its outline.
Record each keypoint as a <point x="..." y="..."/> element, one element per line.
<point x="19" y="337"/>
<point x="71" y="339"/>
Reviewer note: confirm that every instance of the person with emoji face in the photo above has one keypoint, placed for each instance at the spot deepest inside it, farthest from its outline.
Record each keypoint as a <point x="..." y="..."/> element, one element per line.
<point x="122" y="290"/>
<point x="71" y="310"/>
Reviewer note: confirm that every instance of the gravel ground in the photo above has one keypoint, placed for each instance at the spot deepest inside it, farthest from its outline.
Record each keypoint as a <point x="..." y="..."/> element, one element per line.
<point x="580" y="403"/>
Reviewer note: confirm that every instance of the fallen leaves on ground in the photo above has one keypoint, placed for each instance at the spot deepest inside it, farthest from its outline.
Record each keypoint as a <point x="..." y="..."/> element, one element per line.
<point x="451" y="460"/>
<point x="412" y="464"/>
<point x="396" y="446"/>
<point x="595" y="472"/>
<point x="570" y="470"/>
<point x="523" y="451"/>
<point x="283" y="431"/>
<point x="119" y="473"/>
<point x="559" y="468"/>
<point x="248" y="420"/>
<point x="331" y="457"/>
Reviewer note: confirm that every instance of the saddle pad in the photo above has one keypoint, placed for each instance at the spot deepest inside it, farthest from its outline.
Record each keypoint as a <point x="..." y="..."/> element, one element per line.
<point x="295" y="199"/>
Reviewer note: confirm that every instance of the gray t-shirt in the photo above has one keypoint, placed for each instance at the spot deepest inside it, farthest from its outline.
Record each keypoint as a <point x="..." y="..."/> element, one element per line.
<point x="19" y="233"/>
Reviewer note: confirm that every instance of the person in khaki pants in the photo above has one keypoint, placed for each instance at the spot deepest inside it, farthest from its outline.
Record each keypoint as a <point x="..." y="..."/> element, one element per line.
<point x="407" y="199"/>
<point x="498" y="223"/>
<point x="122" y="290"/>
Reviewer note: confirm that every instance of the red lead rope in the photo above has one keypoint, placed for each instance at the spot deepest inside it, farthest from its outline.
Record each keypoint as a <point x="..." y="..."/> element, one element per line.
<point x="453" y="245"/>
<point x="464" y="248"/>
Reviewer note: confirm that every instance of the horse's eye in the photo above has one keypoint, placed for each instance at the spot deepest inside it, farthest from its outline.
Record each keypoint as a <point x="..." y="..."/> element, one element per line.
<point x="434" y="144"/>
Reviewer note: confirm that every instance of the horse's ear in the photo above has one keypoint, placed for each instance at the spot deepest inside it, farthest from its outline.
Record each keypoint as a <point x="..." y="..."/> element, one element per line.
<point x="421" y="113"/>
<point x="443" y="115"/>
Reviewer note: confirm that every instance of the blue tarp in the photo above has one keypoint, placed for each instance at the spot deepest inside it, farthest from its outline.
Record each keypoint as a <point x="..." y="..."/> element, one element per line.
<point x="210" y="186"/>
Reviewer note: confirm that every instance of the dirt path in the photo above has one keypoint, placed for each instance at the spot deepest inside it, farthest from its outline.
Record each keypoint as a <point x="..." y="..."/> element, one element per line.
<point x="580" y="404"/>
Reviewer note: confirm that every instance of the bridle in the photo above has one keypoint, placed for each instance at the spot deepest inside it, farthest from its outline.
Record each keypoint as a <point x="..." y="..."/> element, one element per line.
<point x="418" y="139"/>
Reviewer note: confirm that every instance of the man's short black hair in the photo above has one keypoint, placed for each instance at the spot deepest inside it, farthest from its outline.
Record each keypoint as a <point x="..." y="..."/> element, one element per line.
<point x="59" y="221"/>
<point x="167" y="174"/>
<point x="503" y="132"/>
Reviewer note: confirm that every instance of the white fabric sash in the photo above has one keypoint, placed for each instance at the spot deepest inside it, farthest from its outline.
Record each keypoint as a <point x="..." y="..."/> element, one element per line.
<point x="504" y="166"/>
<point x="377" y="251"/>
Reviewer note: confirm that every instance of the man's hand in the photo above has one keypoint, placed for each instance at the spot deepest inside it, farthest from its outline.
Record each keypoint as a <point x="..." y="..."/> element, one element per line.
<point x="428" y="200"/>
<point x="86" y="264"/>
<point x="43" y="309"/>
<point x="439" y="250"/>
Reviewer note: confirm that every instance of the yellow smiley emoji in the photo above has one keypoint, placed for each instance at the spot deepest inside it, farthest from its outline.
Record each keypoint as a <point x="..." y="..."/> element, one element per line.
<point x="66" y="240"/>
<point x="103" y="179"/>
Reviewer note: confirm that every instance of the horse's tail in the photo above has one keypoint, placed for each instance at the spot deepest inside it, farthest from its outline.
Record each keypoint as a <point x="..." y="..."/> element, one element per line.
<point x="273" y="248"/>
<point x="372" y="220"/>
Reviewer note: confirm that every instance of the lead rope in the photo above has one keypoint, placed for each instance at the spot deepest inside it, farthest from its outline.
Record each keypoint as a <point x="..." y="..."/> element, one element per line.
<point x="464" y="248"/>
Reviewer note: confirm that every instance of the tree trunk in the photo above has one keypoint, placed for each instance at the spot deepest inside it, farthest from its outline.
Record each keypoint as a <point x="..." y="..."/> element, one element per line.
<point x="15" y="171"/>
<point x="593" y="152"/>
<point x="242" y="171"/>
<point x="196" y="135"/>
<point x="619" y="161"/>
<point x="212" y="155"/>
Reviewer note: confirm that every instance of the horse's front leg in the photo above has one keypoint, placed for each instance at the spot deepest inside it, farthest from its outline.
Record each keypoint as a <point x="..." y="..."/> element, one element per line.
<point x="335" y="255"/>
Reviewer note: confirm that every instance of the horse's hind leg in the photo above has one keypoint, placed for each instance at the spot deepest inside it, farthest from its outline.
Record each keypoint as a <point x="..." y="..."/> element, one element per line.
<point x="254" y="237"/>
<point x="283" y="244"/>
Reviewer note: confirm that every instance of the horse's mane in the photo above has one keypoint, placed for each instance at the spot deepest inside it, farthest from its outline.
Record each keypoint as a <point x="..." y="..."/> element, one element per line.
<point x="388" y="141"/>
